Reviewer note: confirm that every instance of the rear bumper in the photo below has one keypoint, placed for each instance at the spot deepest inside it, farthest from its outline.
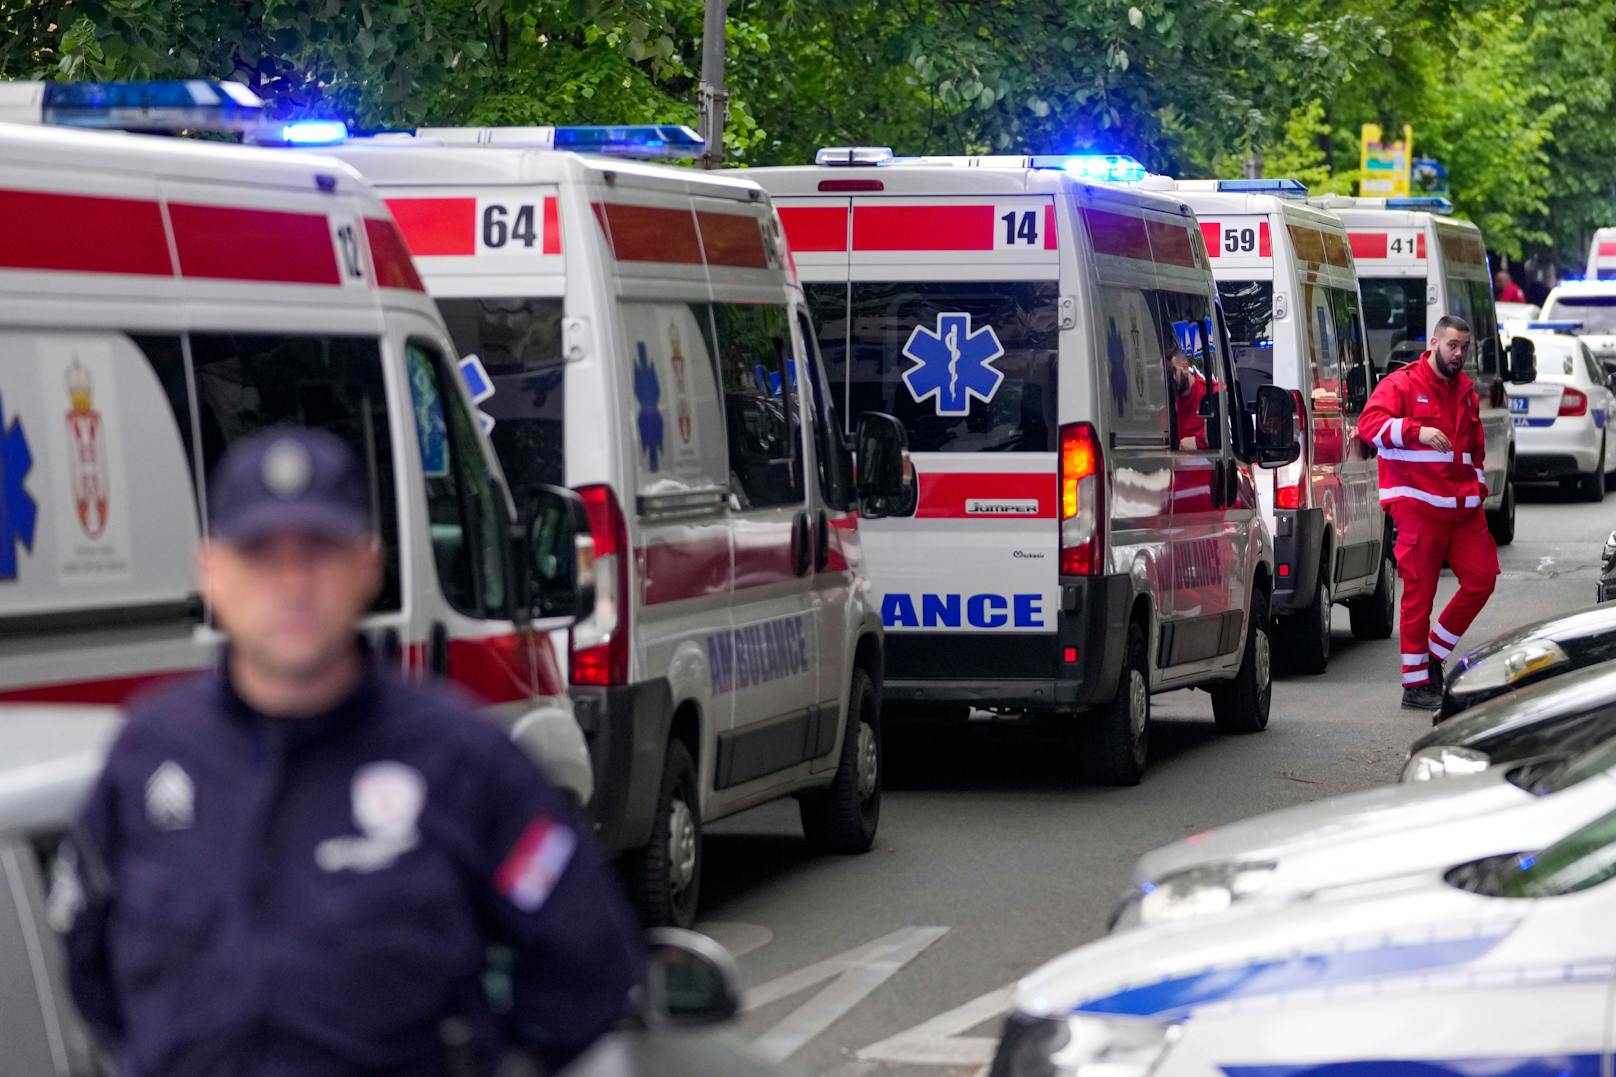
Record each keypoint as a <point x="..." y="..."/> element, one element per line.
<point x="1020" y="671"/>
<point x="1298" y="543"/>
<point x="626" y="728"/>
<point x="1543" y="466"/>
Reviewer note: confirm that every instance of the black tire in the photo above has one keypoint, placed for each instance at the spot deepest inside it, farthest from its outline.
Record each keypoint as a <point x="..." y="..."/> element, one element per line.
<point x="664" y="882"/>
<point x="1591" y="487"/>
<point x="843" y="817"/>
<point x="1242" y="705"/>
<point x="1307" y="631"/>
<point x="1374" y="616"/>
<point x="1502" y="522"/>
<point x="1115" y="739"/>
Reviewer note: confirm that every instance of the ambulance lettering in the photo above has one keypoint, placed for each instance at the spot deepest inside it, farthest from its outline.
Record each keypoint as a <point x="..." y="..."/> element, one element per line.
<point x="746" y="657"/>
<point x="18" y="511"/>
<point x="953" y="364"/>
<point x="958" y="611"/>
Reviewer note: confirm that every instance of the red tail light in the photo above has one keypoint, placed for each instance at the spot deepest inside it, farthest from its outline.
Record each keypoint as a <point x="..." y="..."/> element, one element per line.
<point x="1573" y="402"/>
<point x="1291" y="481"/>
<point x="1082" y="502"/>
<point x="600" y="642"/>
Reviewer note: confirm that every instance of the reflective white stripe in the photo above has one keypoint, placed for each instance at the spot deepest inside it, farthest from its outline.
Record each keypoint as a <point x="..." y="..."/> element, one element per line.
<point x="1396" y="430"/>
<point x="1481" y="476"/>
<point x="1443" y="634"/>
<point x="1419" y="677"/>
<point x="1465" y="458"/>
<point x="1417" y="456"/>
<point x="1415" y="659"/>
<point x="1417" y="494"/>
<point x="1441" y="650"/>
<point x="1471" y="502"/>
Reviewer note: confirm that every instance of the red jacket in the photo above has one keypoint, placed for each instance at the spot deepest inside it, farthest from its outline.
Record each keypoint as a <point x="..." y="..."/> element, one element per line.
<point x="1412" y="473"/>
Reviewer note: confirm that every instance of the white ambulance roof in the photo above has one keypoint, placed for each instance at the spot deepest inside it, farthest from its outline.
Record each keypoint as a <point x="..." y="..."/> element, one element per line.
<point x="1219" y="203"/>
<point x="818" y="181"/>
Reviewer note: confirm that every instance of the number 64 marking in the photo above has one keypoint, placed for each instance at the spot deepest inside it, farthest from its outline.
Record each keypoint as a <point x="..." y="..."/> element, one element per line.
<point x="504" y="225"/>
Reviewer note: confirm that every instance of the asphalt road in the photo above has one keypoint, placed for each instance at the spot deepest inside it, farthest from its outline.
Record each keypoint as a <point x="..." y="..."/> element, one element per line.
<point x="993" y="858"/>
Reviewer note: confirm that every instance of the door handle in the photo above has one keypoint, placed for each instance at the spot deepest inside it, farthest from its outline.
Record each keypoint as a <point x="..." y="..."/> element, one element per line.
<point x="802" y="543"/>
<point x="821" y="540"/>
<point x="437" y="650"/>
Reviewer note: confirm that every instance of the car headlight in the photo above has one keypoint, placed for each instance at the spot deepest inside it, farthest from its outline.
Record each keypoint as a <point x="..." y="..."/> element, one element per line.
<point x="1508" y="667"/>
<point x="1186" y="895"/>
<point x="1609" y="551"/>
<point x="1081" y="1045"/>
<point x="1444" y="761"/>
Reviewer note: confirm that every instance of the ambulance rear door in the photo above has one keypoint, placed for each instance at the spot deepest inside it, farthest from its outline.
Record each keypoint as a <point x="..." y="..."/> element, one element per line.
<point x="1602" y="255"/>
<point x="1467" y="291"/>
<point x="1392" y="257"/>
<point x="947" y="317"/>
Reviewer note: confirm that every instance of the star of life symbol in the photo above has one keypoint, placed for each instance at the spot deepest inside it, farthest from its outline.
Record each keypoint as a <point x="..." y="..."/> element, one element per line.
<point x="953" y="364"/>
<point x="19" y="513"/>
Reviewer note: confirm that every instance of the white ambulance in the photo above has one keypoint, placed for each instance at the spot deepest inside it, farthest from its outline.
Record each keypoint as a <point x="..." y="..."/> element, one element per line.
<point x="1416" y="264"/>
<point x="644" y="342"/>
<point x="1602" y="255"/>
<point x="1290" y="298"/>
<point x="1086" y="528"/>
<point x="162" y="298"/>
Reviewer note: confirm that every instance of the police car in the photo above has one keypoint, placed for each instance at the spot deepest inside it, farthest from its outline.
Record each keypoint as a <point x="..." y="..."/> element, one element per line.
<point x="1562" y="419"/>
<point x="1533" y="652"/>
<point x="1086" y="529"/>
<point x="1502" y="964"/>
<point x="639" y="336"/>
<point x="161" y="299"/>
<point x="1290" y="298"/>
<point x="1293" y="854"/>
<point x="1415" y="264"/>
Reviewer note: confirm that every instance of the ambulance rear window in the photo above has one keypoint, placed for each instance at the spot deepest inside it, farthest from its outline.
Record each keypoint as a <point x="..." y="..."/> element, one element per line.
<point x="1248" y="312"/>
<point x="1394" y="317"/>
<point x="519" y="342"/>
<point x="966" y="366"/>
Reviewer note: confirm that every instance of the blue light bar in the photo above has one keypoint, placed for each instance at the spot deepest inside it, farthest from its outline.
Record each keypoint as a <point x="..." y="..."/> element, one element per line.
<point x="1556" y="326"/>
<point x="314" y="132"/>
<point x="1431" y="203"/>
<point x="638" y="140"/>
<point x="1101" y="167"/>
<point x="195" y="105"/>
<point x="1284" y="188"/>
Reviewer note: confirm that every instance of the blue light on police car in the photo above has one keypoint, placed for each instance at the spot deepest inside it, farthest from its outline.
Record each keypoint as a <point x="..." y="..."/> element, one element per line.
<point x="1101" y="167"/>
<point x="1285" y="188"/>
<point x="195" y="104"/>
<point x="1430" y="203"/>
<point x="634" y="140"/>
<point x="1566" y="326"/>
<point x="314" y="132"/>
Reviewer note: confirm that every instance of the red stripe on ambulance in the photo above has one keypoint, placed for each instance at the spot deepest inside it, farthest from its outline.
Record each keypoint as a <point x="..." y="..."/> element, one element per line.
<point x="109" y="691"/>
<point x="815" y="229"/>
<point x="943" y="495"/>
<point x="923" y="228"/>
<point x="83" y="233"/>
<point x="672" y="571"/>
<point x="552" y="224"/>
<point x="230" y="243"/>
<point x="438" y="226"/>
<point x="391" y="258"/>
<point x="1265" y="242"/>
<point x="1212" y="236"/>
<point x="1368" y="244"/>
<point x="1606" y="248"/>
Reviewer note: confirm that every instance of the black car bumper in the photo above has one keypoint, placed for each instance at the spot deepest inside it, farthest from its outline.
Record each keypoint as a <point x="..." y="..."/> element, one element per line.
<point x="626" y="728"/>
<point x="1073" y="667"/>
<point x="1298" y="543"/>
<point x="1541" y="467"/>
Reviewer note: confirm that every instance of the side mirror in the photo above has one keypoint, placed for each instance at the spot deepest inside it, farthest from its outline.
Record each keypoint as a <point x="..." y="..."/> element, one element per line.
<point x="556" y="554"/>
<point x="1522" y="361"/>
<point x="1277" y="442"/>
<point x="881" y="447"/>
<point x="690" y="980"/>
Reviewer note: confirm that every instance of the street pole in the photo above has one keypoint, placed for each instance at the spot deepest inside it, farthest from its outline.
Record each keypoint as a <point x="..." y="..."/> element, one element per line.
<point x="714" y="101"/>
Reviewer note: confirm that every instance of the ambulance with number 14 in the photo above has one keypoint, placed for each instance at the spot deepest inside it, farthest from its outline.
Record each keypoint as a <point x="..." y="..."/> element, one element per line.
<point x="1086" y="529"/>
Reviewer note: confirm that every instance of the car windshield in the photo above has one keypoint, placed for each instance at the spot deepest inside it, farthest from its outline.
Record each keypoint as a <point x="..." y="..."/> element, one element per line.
<point x="1394" y="315"/>
<point x="1585" y="858"/>
<point x="1597" y="313"/>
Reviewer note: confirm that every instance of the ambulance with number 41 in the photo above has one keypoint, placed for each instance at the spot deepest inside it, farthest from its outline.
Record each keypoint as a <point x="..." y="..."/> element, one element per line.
<point x="1086" y="528"/>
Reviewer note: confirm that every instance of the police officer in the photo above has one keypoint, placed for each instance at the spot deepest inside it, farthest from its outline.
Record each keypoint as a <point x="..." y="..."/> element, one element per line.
<point x="297" y="863"/>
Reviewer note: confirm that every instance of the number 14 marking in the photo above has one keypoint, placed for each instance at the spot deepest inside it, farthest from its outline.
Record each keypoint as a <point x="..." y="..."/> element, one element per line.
<point x="1020" y="227"/>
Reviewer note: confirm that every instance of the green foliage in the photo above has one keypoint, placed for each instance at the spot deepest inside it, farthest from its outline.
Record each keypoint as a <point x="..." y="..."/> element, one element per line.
<point x="1519" y="109"/>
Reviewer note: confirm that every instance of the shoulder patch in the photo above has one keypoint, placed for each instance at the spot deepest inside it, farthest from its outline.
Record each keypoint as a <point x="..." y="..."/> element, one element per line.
<point x="535" y="863"/>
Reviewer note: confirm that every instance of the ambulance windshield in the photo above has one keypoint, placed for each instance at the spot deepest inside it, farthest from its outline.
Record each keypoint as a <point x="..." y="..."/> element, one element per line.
<point x="519" y="343"/>
<point x="967" y="366"/>
<point x="1394" y="314"/>
<point x="1248" y="311"/>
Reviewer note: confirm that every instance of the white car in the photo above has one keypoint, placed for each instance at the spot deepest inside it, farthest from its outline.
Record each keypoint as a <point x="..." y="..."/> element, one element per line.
<point x="1562" y="419"/>
<point x="1497" y="966"/>
<point x="1593" y="304"/>
<point x="1512" y="317"/>
<point x="1293" y="854"/>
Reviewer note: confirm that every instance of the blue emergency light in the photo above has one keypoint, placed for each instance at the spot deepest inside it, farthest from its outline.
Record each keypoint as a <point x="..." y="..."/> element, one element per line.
<point x="1101" y="167"/>
<point x="1429" y="203"/>
<point x="153" y="106"/>
<point x="1556" y="326"/>
<point x="634" y="140"/>
<point x="313" y="132"/>
<point x="1284" y="188"/>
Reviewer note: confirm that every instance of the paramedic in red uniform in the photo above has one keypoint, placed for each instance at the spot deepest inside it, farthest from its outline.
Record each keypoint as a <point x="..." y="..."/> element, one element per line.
<point x="1189" y="390"/>
<point x="1508" y="291"/>
<point x="1425" y="420"/>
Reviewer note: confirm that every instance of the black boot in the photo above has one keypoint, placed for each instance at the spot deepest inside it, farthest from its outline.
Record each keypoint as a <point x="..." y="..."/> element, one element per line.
<point x="1437" y="680"/>
<point x="1423" y="697"/>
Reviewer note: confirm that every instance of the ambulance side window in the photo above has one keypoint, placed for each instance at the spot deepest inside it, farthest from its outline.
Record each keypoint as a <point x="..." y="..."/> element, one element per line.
<point x="1189" y="368"/>
<point x="759" y="382"/>
<point x="1459" y="302"/>
<point x="247" y="382"/>
<point x="1135" y="384"/>
<point x="1324" y="348"/>
<point x="1350" y="346"/>
<point x="1484" y="324"/>
<point x="466" y="513"/>
<point x="828" y="450"/>
<point x="827" y="304"/>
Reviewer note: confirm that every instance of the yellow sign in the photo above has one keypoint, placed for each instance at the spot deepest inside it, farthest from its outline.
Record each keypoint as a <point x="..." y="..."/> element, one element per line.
<point x="1385" y="167"/>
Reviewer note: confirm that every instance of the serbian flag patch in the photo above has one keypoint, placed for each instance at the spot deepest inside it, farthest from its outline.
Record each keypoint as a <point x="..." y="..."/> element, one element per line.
<point x="535" y="863"/>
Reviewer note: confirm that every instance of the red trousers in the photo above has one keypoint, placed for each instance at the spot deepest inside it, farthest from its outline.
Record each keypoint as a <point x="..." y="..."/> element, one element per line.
<point x="1424" y="542"/>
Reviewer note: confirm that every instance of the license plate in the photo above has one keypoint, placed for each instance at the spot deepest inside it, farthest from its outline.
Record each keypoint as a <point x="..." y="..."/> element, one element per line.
<point x="1517" y="405"/>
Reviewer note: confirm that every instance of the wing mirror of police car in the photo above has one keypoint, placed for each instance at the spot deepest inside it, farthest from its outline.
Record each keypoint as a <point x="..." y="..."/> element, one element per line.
<point x="883" y="473"/>
<point x="690" y="980"/>
<point x="1277" y="442"/>
<point x="1522" y="361"/>
<point x="556" y="554"/>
